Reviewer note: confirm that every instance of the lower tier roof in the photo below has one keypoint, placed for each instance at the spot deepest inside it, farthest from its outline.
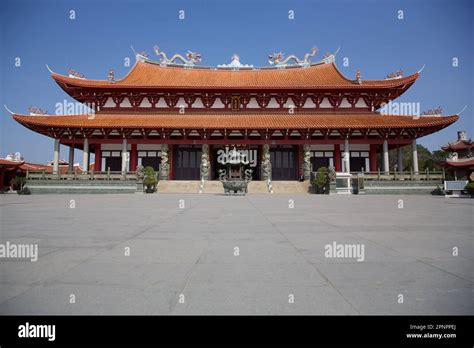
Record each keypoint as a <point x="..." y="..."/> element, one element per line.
<point x="268" y="125"/>
<point x="467" y="162"/>
<point x="236" y="121"/>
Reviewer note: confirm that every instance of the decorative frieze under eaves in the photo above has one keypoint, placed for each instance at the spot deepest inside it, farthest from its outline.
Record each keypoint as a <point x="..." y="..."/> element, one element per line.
<point x="235" y="101"/>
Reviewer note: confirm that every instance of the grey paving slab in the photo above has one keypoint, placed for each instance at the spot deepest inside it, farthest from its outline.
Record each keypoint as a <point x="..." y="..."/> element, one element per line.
<point x="259" y="300"/>
<point x="442" y="301"/>
<point x="277" y="274"/>
<point x="167" y="275"/>
<point x="222" y="252"/>
<point x="190" y="251"/>
<point x="52" y="299"/>
<point x="21" y="271"/>
<point x="399" y="276"/>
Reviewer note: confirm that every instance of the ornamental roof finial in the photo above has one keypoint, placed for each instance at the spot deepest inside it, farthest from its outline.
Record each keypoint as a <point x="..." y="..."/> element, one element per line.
<point x="358" y="79"/>
<point x="235" y="63"/>
<point x="75" y="74"/>
<point x="395" y="75"/>
<point x="111" y="75"/>
<point x="36" y="111"/>
<point x="433" y="112"/>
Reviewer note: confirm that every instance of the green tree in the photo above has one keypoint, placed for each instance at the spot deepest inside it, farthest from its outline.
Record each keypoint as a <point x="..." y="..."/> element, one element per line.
<point x="150" y="180"/>
<point x="426" y="159"/>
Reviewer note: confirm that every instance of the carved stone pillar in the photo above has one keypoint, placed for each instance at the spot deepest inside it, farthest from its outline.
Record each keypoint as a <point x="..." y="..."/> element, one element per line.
<point x="56" y="157"/>
<point x="386" y="163"/>
<point x="205" y="165"/>
<point x="306" y="161"/>
<point x="164" y="167"/>
<point x="266" y="164"/>
<point x="414" y="152"/>
<point x="85" y="156"/>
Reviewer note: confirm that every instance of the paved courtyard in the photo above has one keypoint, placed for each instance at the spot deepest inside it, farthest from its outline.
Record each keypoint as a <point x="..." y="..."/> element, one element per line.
<point x="182" y="254"/>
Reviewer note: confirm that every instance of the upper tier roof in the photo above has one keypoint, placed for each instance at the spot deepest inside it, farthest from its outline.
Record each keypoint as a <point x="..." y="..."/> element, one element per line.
<point x="151" y="75"/>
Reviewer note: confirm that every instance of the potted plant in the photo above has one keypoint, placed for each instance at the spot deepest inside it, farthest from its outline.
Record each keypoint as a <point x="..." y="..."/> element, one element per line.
<point x="470" y="188"/>
<point x="150" y="180"/>
<point x="321" y="181"/>
<point x="18" y="182"/>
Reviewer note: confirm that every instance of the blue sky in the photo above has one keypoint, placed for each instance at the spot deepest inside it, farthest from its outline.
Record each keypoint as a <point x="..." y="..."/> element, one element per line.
<point x="369" y="33"/>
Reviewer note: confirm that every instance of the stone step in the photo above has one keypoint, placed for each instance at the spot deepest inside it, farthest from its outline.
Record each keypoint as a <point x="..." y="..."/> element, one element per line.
<point x="290" y="187"/>
<point x="81" y="186"/>
<point x="213" y="186"/>
<point x="178" y="186"/>
<point x="257" y="187"/>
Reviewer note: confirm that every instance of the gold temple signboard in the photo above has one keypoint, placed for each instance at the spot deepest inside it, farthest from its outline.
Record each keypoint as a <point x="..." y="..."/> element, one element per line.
<point x="235" y="103"/>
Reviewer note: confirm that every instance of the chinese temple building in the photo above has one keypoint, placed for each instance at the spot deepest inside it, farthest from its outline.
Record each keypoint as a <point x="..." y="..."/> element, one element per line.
<point x="185" y="120"/>
<point x="10" y="167"/>
<point x="460" y="160"/>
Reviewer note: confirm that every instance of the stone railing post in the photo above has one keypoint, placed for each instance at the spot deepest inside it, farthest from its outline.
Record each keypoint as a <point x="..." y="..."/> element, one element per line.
<point x="205" y="166"/>
<point x="266" y="164"/>
<point x="306" y="161"/>
<point x="164" y="168"/>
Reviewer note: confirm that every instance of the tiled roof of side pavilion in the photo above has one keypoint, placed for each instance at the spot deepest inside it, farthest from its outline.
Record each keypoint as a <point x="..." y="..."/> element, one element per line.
<point x="151" y="75"/>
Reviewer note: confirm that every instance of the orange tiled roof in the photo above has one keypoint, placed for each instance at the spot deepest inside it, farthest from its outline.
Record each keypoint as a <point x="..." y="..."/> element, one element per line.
<point x="8" y="163"/>
<point x="237" y="121"/>
<point x="461" y="162"/>
<point x="458" y="145"/>
<point x="48" y="168"/>
<point x="151" y="75"/>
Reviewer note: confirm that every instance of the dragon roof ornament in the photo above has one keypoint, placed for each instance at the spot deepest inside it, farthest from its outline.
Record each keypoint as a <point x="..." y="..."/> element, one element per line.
<point x="279" y="60"/>
<point x="276" y="60"/>
<point x="191" y="59"/>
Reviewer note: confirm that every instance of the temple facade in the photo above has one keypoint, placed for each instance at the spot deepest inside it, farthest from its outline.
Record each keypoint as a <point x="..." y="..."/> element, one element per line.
<point x="187" y="120"/>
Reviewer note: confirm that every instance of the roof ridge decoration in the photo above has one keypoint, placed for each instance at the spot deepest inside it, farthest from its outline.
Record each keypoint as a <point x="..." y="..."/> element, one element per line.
<point x="394" y="75"/>
<point x="433" y="112"/>
<point x="192" y="58"/>
<point x="35" y="111"/>
<point x="235" y="64"/>
<point x="75" y="74"/>
<point x="279" y="60"/>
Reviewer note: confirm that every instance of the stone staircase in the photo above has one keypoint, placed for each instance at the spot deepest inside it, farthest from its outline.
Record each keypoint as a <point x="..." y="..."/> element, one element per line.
<point x="290" y="186"/>
<point x="257" y="187"/>
<point x="178" y="186"/>
<point x="81" y="186"/>
<point x="215" y="187"/>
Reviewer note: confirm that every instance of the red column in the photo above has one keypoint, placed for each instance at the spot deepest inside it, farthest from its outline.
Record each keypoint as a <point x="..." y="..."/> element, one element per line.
<point x="98" y="158"/>
<point x="299" y="161"/>
<point x="211" y="166"/>
<point x="133" y="158"/>
<point x="2" y="177"/>
<point x="373" y="157"/>
<point x="337" y="157"/>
